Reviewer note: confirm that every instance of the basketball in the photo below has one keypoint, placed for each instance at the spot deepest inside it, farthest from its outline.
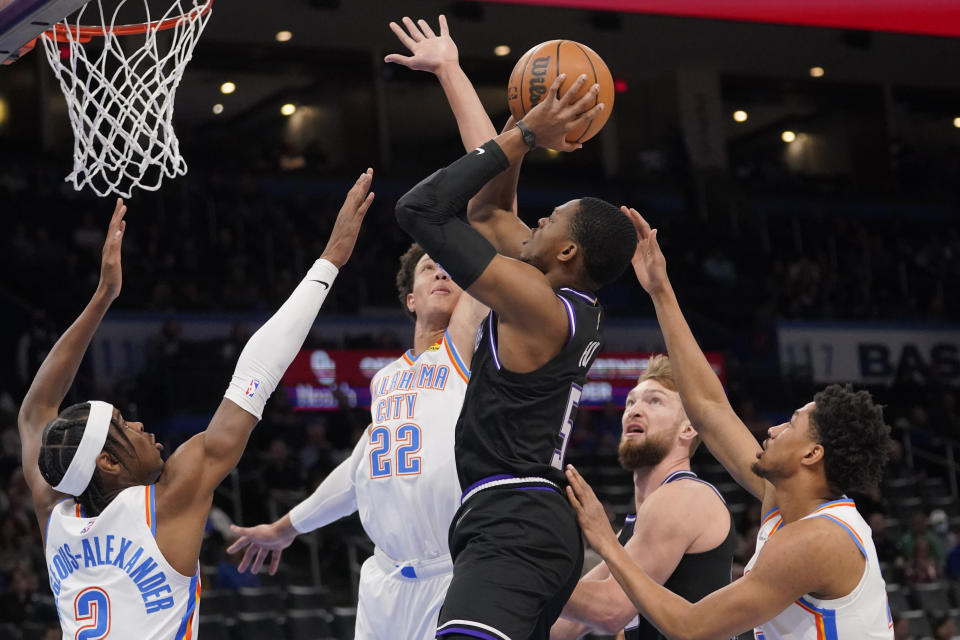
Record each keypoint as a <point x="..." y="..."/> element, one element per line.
<point x="538" y="68"/>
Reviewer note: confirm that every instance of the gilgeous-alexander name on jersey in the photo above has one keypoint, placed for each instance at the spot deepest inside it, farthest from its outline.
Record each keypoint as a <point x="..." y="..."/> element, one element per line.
<point x="108" y="575"/>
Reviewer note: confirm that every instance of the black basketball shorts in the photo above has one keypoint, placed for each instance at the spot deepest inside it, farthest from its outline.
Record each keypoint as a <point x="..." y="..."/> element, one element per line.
<point x="517" y="556"/>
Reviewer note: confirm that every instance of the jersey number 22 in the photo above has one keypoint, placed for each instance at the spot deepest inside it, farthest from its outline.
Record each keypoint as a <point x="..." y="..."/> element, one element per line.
<point x="407" y="437"/>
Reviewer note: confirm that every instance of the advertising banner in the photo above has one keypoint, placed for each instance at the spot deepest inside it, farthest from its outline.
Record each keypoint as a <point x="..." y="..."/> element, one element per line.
<point x="869" y="354"/>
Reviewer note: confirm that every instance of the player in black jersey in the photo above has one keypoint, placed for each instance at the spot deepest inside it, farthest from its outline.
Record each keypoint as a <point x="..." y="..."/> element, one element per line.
<point x="516" y="546"/>
<point x="682" y="534"/>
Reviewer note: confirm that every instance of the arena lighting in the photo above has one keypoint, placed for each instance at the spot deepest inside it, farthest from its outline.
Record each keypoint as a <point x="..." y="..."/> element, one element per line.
<point x="501" y="50"/>
<point x="5" y="111"/>
<point x="288" y="109"/>
<point x="956" y="122"/>
<point x="227" y="88"/>
<point x="788" y="136"/>
<point x="816" y="72"/>
<point x="620" y="85"/>
<point x="740" y="115"/>
<point x="217" y="109"/>
<point x="283" y="36"/>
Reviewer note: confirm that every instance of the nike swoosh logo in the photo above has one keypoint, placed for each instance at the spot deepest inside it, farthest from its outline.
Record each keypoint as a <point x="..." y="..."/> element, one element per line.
<point x="480" y="151"/>
<point x="326" y="286"/>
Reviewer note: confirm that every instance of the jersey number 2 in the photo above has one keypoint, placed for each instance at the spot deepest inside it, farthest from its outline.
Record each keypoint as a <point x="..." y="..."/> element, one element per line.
<point x="573" y="401"/>
<point x="92" y="606"/>
<point x="381" y="462"/>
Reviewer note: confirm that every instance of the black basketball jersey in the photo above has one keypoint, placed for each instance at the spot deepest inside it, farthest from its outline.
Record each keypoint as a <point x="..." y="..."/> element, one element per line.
<point x="516" y="425"/>
<point x="696" y="576"/>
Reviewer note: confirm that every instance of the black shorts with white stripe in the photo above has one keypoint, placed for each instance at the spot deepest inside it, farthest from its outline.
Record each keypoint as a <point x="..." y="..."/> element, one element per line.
<point x="517" y="555"/>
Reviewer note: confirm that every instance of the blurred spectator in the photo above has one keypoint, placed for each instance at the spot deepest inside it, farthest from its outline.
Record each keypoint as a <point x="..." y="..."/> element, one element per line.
<point x="718" y="267"/>
<point x="921" y="567"/>
<point x="919" y="528"/>
<point x="952" y="568"/>
<point x="23" y="601"/>
<point x="887" y="549"/>
<point x="317" y="457"/>
<point x="944" y="628"/>
<point x="901" y="627"/>
<point x="280" y="470"/>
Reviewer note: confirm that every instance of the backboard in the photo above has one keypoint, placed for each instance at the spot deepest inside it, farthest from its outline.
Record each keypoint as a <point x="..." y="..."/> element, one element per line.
<point x="23" y="20"/>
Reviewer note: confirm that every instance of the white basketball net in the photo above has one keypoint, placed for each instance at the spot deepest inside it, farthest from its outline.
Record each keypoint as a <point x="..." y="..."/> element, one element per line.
<point x="121" y="102"/>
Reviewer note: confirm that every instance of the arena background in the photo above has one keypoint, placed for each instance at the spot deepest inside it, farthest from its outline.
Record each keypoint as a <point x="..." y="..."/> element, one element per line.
<point x="834" y="257"/>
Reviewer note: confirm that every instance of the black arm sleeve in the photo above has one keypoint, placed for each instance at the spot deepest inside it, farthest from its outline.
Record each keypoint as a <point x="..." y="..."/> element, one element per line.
<point x="431" y="213"/>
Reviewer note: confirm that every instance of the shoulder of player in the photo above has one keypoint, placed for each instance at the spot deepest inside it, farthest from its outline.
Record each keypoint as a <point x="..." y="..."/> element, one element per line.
<point x="677" y="507"/>
<point x="809" y="544"/>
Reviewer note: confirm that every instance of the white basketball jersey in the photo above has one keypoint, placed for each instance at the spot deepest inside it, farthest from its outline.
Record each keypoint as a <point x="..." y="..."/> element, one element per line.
<point x="406" y="483"/>
<point x="109" y="578"/>
<point x="863" y="614"/>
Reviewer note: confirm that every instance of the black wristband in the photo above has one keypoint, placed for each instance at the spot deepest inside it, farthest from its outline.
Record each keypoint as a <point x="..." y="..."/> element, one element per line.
<point x="528" y="136"/>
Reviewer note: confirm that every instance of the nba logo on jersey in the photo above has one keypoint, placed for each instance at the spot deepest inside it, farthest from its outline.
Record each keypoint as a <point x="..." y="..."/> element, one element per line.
<point x="252" y="387"/>
<point x="87" y="527"/>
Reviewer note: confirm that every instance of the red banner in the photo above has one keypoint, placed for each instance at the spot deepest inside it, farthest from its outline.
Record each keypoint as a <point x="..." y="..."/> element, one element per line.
<point x="931" y="17"/>
<point x="325" y="379"/>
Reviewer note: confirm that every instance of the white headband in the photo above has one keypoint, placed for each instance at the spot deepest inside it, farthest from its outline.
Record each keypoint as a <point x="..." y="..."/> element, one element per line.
<point x="84" y="462"/>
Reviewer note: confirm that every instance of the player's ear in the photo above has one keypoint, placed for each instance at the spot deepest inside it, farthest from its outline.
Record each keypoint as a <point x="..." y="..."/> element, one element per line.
<point x="568" y="252"/>
<point x="108" y="464"/>
<point x="411" y="307"/>
<point x="813" y="455"/>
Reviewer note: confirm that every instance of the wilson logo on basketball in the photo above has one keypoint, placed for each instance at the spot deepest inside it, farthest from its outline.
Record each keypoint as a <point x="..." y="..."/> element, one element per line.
<point x="538" y="84"/>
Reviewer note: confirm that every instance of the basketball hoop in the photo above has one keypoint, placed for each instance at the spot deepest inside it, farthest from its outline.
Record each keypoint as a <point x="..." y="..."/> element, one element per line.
<point x="121" y="102"/>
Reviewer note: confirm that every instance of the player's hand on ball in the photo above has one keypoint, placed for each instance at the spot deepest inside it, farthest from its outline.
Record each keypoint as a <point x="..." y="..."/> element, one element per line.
<point x="590" y="513"/>
<point x="648" y="261"/>
<point x="555" y="116"/>
<point x="260" y="541"/>
<point x="111" y="274"/>
<point x="347" y="227"/>
<point x="431" y="52"/>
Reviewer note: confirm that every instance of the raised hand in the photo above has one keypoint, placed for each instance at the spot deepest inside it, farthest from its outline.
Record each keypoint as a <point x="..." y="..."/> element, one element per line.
<point x="590" y="513"/>
<point x="111" y="274"/>
<point x="261" y="541"/>
<point x="347" y="227"/>
<point x="648" y="261"/>
<point x="431" y="52"/>
<point x="555" y="116"/>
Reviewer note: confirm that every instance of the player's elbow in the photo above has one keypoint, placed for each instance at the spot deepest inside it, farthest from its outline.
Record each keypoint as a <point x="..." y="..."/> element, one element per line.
<point x="405" y="211"/>
<point x="611" y="620"/>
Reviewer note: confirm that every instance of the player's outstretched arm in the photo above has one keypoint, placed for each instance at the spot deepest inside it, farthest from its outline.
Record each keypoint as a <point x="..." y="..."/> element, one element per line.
<point x="185" y="489"/>
<point x="703" y="396"/>
<point x="493" y="211"/>
<point x="791" y="564"/>
<point x="430" y="212"/>
<point x="335" y="498"/>
<point x="59" y="368"/>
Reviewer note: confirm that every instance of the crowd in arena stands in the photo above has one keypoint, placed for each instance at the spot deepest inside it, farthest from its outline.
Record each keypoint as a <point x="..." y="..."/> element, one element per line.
<point x="213" y="243"/>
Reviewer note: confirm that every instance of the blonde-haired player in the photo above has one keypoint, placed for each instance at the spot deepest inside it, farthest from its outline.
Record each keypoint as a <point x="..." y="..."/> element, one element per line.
<point x="681" y="534"/>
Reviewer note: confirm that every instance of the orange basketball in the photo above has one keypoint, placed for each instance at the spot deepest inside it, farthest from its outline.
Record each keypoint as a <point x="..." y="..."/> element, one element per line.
<point x="538" y="68"/>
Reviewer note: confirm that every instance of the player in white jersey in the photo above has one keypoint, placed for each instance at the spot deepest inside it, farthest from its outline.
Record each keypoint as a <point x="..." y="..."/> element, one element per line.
<point x="815" y="574"/>
<point x="401" y="476"/>
<point x="856" y="615"/>
<point x="122" y="528"/>
<point x="406" y="497"/>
